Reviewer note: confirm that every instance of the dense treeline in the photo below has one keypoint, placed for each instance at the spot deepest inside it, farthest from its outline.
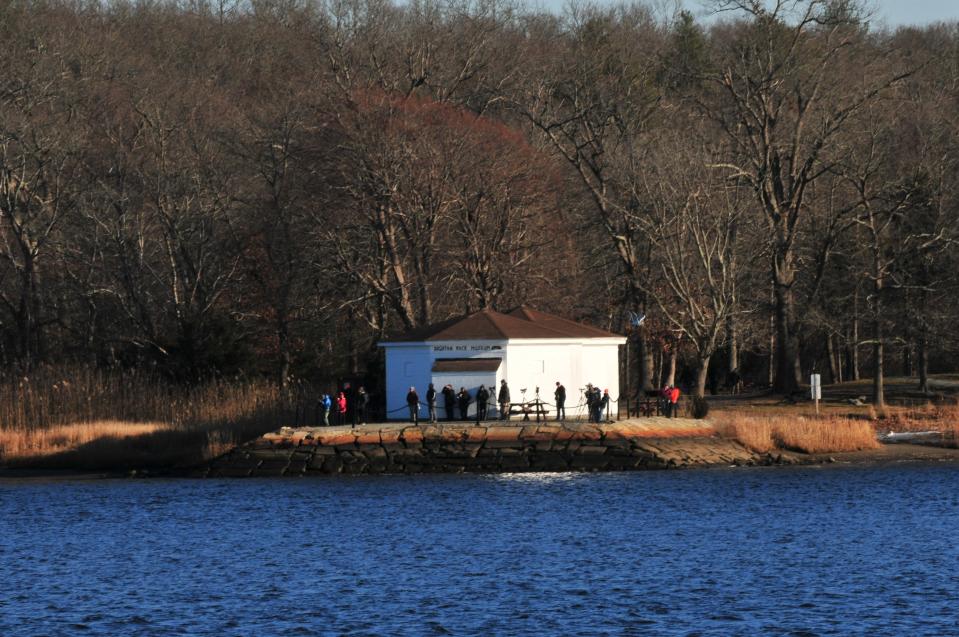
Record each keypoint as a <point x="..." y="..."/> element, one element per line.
<point x="269" y="187"/>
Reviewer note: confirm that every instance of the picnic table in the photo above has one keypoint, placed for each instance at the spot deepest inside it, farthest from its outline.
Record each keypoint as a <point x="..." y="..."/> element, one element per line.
<point x="537" y="407"/>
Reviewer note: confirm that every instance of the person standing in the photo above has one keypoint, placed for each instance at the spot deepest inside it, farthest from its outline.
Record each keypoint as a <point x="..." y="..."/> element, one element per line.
<point x="503" y="400"/>
<point x="664" y="400"/>
<point x="362" y="402"/>
<point x="326" y="404"/>
<point x="482" y="399"/>
<point x="413" y="402"/>
<point x="560" y="396"/>
<point x="464" y="400"/>
<point x="341" y="409"/>
<point x="673" y="402"/>
<point x="449" y="400"/>
<point x="589" y="401"/>
<point x="431" y="402"/>
<point x="602" y="406"/>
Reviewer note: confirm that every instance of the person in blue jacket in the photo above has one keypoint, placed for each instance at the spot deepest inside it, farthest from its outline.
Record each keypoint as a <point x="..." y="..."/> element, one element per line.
<point x="326" y="403"/>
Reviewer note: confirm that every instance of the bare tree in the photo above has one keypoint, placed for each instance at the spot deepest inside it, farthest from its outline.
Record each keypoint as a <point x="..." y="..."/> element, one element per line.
<point x="692" y="216"/>
<point x="593" y="107"/>
<point x="785" y="98"/>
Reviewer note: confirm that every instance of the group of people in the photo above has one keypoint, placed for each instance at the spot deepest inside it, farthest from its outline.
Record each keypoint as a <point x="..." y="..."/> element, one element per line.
<point x="451" y="401"/>
<point x="334" y="410"/>
<point x="669" y="401"/>
<point x="596" y="402"/>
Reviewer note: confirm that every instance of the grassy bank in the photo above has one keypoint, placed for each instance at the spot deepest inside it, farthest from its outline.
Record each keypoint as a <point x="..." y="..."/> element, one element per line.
<point x="94" y="420"/>
<point x="827" y="434"/>
<point x="845" y="422"/>
<point x="85" y="419"/>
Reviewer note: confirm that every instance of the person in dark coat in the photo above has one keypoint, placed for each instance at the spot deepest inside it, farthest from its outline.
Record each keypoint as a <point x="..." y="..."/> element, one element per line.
<point x="503" y="400"/>
<point x="560" y="396"/>
<point x="664" y="400"/>
<point x="589" y="401"/>
<point x="431" y="402"/>
<point x="602" y="403"/>
<point x="362" y="402"/>
<point x="464" y="400"/>
<point x="597" y="404"/>
<point x="413" y="402"/>
<point x="482" y="399"/>
<point x="449" y="401"/>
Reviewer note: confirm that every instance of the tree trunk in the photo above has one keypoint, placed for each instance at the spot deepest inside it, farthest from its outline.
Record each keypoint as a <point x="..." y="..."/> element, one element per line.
<point x="923" y="363"/>
<point x="908" y="369"/>
<point x="658" y="375"/>
<point x="840" y="364"/>
<point x="27" y="313"/>
<point x="647" y="369"/>
<point x="771" y="375"/>
<point x="787" y="369"/>
<point x="833" y="360"/>
<point x="671" y="371"/>
<point x="702" y="371"/>
<point x="854" y="347"/>
<point x="878" y="389"/>
<point x="732" y="337"/>
<point x="286" y="360"/>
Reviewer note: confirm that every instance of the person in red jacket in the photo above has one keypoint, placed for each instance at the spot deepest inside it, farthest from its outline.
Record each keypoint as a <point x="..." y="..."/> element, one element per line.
<point x="673" y="401"/>
<point x="341" y="408"/>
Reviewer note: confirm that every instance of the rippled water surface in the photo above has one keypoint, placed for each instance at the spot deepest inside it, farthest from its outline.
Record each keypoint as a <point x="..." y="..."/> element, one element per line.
<point x="831" y="551"/>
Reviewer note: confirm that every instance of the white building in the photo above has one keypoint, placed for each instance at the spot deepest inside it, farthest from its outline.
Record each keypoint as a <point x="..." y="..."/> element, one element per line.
<point x="526" y="348"/>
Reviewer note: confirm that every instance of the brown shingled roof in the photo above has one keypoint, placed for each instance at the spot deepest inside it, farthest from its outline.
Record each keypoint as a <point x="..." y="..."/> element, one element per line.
<point x="560" y="324"/>
<point x="523" y="322"/>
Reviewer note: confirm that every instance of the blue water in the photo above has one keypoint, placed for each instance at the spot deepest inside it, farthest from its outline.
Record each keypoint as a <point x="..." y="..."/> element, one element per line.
<point x="824" y="551"/>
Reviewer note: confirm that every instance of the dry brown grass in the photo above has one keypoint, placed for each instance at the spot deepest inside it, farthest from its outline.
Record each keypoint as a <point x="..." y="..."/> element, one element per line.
<point x="943" y="418"/>
<point x="81" y="418"/>
<point x="827" y="434"/>
<point x="932" y="417"/>
<point x="32" y="443"/>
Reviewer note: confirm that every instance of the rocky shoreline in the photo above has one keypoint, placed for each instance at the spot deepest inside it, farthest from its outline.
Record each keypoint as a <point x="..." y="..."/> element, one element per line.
<point x="650" y="443"/>
<point x="638" y="444"/>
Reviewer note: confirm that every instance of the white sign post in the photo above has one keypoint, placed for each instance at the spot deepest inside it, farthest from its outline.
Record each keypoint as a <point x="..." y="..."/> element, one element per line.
<point x="815" y="388"/>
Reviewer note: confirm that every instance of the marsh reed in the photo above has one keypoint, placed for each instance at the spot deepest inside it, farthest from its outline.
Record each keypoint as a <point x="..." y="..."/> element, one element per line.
<point x="828" y="434"/>
<point x="123" y="418"/>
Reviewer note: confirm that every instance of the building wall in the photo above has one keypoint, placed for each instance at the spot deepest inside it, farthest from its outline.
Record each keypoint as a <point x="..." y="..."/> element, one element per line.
<point x="573" y="363"/>
<point x="471" y="381"/>
<point x="406" y="365"/>
<point x="601" y="368"/>
<point x="526" y="364"/>
<point x="540" y="364"/>
<point x="411" y="364"/>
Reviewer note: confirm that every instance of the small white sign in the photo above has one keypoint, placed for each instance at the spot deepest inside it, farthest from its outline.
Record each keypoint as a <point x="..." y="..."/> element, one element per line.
<point x="815" y="386"/>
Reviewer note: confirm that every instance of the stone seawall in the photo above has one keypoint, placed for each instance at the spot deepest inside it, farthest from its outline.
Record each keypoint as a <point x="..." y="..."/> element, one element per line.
<point x="649" y="443"/>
